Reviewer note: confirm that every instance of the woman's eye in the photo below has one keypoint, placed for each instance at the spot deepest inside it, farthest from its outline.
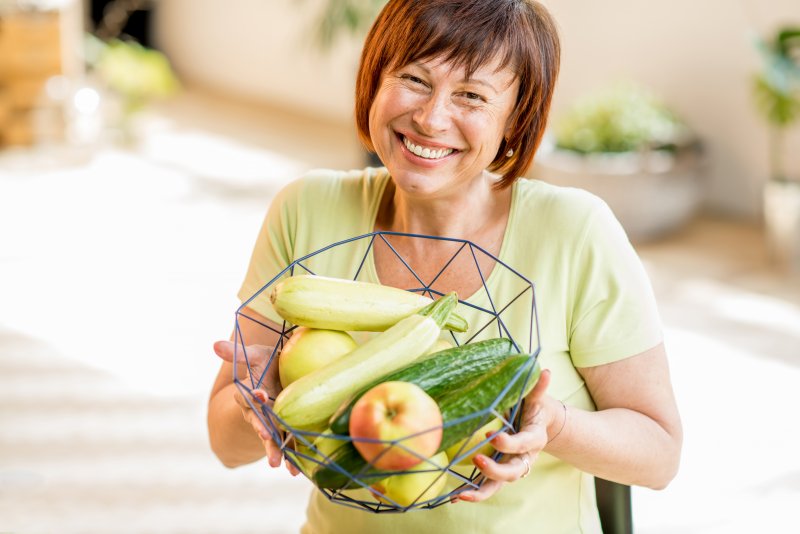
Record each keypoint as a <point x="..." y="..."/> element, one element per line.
<point x="472" y="98"/>
<point x="413" y="79"/>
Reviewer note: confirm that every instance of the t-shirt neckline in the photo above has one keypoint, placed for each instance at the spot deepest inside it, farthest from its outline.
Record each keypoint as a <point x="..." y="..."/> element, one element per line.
<point x="479" y="296"/>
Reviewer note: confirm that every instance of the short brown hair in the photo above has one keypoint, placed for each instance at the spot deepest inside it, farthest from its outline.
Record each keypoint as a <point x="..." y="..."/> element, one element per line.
<point x="470" y="33"/>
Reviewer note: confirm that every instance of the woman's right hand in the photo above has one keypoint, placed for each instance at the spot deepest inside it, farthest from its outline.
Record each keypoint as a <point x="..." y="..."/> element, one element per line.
<point x="258" y="356"/>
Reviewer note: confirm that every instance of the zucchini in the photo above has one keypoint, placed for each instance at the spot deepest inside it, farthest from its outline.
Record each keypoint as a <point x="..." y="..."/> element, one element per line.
<point x="337" y="304"/>
<point x="309" y="402"/>
<point x="442" y="371"/>
<point x="456" y="407"/>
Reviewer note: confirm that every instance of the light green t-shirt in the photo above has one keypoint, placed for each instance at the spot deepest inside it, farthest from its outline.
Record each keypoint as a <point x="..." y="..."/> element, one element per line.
<point x="594" y="305"/>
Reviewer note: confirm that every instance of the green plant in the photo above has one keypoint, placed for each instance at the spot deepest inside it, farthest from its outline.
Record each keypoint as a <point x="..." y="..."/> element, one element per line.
<point x="622" y="118"/>
<point x="776" y="91"/>
<point x="351" y="16"/>
<point x="136" y="73"/>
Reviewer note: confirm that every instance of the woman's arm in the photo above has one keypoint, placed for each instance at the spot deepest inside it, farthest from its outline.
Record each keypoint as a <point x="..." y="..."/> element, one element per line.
<point x="236" y="435"/>
<point x="633" y="438"/>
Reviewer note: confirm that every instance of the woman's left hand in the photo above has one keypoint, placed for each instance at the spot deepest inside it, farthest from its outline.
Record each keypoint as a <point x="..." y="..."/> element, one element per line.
<point x="519" y="450"/>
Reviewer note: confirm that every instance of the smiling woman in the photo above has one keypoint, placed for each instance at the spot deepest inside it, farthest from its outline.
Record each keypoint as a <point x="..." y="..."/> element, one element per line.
<point x="454" y="97"/>
<point x="430" y="122"/>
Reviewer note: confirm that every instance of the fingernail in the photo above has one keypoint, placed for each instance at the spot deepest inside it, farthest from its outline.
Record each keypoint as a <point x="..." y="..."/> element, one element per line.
<point x="467" y="498"/>
<point x="480" y="461"/>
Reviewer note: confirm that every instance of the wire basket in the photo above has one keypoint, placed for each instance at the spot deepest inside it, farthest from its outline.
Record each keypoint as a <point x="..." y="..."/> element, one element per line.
<point x="351" y="259"/>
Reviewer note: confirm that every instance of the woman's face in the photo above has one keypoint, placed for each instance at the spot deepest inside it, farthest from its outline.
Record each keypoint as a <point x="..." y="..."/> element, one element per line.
<point x="437" y="130"/>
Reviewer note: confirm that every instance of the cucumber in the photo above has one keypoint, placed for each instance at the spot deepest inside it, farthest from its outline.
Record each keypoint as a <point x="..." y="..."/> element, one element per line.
<point x="481" y="394"/>
<point x="437" y="373"/>
<point x="455" y="406"/>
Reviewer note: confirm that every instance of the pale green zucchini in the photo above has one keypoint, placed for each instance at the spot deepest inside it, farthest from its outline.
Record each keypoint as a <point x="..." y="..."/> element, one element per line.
<point x="309" y="402"/>
<point x="338" y="304"/>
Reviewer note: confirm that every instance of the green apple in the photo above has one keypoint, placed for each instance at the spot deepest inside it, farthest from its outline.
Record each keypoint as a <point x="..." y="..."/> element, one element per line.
<point x="466" y="444"/>
<point x="310" y="349"/>
<point x="415" y="487"/>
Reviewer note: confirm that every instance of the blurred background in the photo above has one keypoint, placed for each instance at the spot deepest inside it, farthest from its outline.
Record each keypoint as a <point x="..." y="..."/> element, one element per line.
<point x="142" y="141"/>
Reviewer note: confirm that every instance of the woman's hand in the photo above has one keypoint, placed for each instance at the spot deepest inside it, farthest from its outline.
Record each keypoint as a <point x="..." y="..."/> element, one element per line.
<point x="258" y="357"/>
<point x="519" y="450"/>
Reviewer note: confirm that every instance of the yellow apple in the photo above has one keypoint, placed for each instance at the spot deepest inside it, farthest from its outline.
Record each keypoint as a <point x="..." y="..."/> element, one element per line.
<point x="310" y="349"/>
<point x="466" y="444"/>
<point x="322" y="447"/>
<point x="395" y="425"/>
<point x="423" y="482"/>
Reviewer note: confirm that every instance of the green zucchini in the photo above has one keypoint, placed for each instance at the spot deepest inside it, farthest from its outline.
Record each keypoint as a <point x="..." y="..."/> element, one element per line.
<point x="456" y="405"/>
<point x="309" y="402"/>
<point x="442" y="371"/>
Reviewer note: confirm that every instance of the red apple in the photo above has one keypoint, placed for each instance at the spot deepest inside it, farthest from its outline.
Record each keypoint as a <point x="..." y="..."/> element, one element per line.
<point x="398" y="412"/>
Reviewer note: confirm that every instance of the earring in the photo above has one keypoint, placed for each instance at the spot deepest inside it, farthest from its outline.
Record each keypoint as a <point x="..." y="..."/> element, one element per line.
<point x="510" y="152"/>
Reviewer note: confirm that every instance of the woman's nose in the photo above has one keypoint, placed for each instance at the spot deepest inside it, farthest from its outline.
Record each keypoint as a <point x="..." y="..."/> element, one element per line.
<point x="432" y="115"/>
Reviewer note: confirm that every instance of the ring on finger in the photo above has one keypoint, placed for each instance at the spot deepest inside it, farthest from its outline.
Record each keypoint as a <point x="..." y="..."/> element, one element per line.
<point x="527" y="466"/>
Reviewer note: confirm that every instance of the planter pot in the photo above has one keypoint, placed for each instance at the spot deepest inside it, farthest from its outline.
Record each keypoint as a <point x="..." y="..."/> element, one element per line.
<point x="651" y="193"/>
<point x="782" y="220"/>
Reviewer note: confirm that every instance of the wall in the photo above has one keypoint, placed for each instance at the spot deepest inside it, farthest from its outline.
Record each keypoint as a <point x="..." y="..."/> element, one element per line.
<point x="697" y="55"/>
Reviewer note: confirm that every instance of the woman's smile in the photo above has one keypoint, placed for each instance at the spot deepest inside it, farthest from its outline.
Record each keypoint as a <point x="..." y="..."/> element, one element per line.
<point x="436" y="128"/>
<point x="429" y="153"/>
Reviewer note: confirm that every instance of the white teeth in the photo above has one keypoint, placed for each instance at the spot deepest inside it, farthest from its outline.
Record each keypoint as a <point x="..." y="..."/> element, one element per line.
<point x="427" y="153"/>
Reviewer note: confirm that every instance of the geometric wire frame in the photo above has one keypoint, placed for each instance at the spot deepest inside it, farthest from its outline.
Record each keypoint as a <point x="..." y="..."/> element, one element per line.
<point x="460" y="478"/>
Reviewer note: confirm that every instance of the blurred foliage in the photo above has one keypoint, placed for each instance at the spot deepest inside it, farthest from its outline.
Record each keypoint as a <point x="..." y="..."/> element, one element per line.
<point x="622" y="118"/>
<point x="346" y="16"/>
<point x="136" y="73"/>
<point x="777" y="86"/>
<point x="776" y="90"/>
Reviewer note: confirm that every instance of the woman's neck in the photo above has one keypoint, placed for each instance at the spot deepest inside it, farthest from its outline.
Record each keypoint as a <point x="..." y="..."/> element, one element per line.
<point x="469" y="214"/>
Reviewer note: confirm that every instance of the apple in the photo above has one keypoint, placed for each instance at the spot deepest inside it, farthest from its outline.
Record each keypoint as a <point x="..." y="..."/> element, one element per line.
<point x="423" y="482"/>
<point x="322" y="447"/>
<point x="466" y="444"/>
<point x="310" y="349"/>
<point x="396" y="411"/>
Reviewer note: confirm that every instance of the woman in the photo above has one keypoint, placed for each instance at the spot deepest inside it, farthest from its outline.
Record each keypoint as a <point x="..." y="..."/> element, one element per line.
<point x="453" y="97"/>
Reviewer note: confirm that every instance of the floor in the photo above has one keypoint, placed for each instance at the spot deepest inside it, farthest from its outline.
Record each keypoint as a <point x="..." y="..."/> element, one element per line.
<point x="120" y="267"/>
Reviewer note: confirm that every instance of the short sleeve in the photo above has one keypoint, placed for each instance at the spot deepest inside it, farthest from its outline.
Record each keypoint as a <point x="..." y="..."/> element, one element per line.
<point x="614" y="313"/>
<point x="274" y="248"/>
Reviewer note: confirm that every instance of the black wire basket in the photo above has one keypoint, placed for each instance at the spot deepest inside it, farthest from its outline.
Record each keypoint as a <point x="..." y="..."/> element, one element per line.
<point x="350" y="259"/>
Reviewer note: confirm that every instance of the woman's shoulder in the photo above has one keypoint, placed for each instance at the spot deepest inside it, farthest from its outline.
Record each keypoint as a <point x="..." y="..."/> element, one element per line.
<point x="546" y="203"/>
<point x="348" y="197"/>
<point x="328" y="183"/>
<point x="539" y="193"/>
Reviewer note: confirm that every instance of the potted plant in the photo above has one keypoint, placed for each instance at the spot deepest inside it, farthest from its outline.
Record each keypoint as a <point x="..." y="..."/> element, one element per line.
<point x="624" y="144"/>
<point x="776" y="91"/>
